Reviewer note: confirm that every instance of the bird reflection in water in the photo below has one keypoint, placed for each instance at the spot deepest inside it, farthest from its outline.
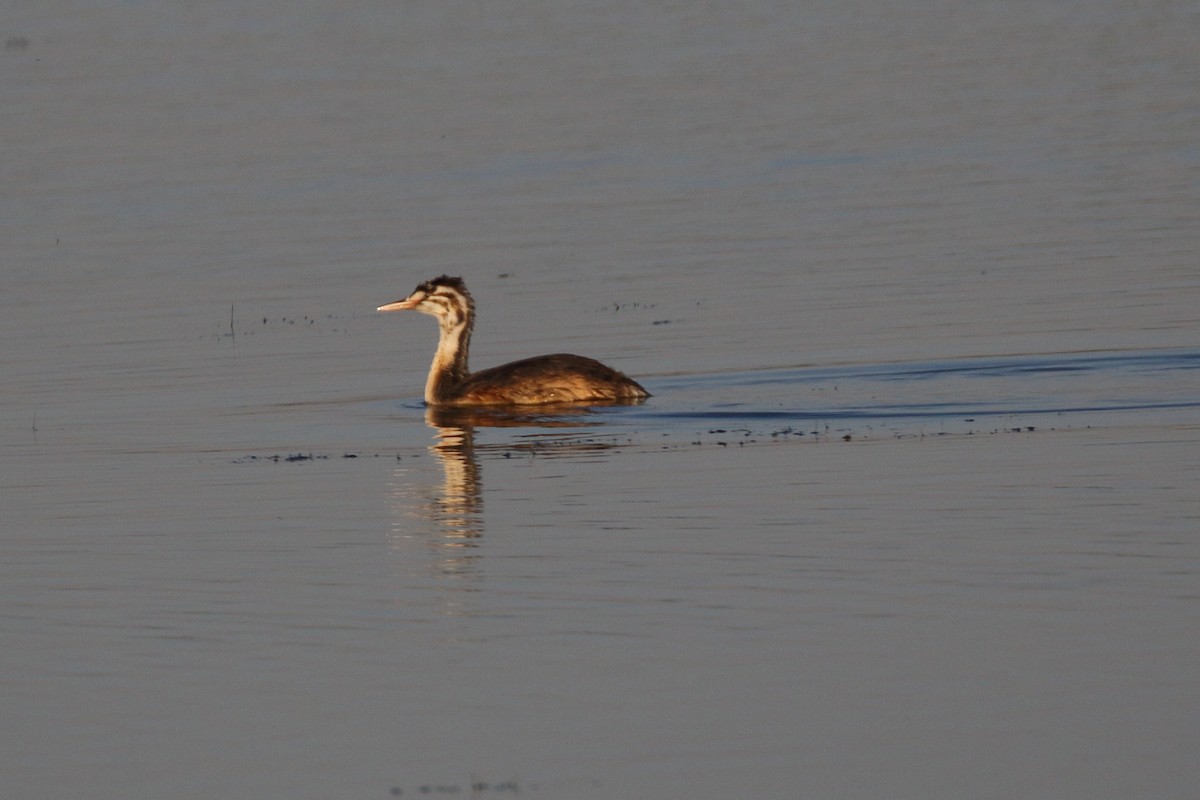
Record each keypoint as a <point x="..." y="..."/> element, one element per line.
<point x="455" y="508"/>
<point x="458" y="509"/>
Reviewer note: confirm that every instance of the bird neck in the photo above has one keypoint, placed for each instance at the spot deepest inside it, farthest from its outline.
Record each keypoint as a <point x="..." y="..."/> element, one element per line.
<point x="449" y="367"/>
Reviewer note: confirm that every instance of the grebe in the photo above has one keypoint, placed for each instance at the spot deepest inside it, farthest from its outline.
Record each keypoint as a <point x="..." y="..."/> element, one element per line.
<point x="558" y="378"/>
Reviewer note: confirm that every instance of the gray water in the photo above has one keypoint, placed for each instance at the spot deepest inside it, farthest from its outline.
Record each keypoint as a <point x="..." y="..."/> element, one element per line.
<point x="911" y="514"/>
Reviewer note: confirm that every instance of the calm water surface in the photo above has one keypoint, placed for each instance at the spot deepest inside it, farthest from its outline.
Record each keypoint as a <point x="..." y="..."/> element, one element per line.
<point x="912" y="513"/>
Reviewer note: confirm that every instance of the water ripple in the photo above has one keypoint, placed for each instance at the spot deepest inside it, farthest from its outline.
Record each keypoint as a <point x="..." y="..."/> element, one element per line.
<point x="1019" y="385"/>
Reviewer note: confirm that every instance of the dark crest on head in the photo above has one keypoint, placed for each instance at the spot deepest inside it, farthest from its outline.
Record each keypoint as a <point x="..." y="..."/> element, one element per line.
<point x="456" y="284"/>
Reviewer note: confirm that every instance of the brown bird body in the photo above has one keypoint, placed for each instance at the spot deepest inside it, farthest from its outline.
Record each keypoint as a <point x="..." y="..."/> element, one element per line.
<point x="557" y="378"/>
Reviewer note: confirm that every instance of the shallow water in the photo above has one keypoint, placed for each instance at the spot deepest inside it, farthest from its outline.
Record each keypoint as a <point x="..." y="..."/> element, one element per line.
<point x="912" y="512"/>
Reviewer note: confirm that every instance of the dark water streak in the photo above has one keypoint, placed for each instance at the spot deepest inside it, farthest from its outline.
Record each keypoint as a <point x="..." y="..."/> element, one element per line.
<point x="1025" y="385"/>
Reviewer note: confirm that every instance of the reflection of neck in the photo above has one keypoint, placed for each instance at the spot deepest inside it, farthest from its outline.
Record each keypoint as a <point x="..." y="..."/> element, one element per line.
<point x="461" y="500"/>
<point x="449" y="367"/>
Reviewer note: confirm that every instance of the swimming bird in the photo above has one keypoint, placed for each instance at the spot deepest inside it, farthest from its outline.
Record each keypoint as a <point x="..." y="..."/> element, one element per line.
<point x="557" y="378"/>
